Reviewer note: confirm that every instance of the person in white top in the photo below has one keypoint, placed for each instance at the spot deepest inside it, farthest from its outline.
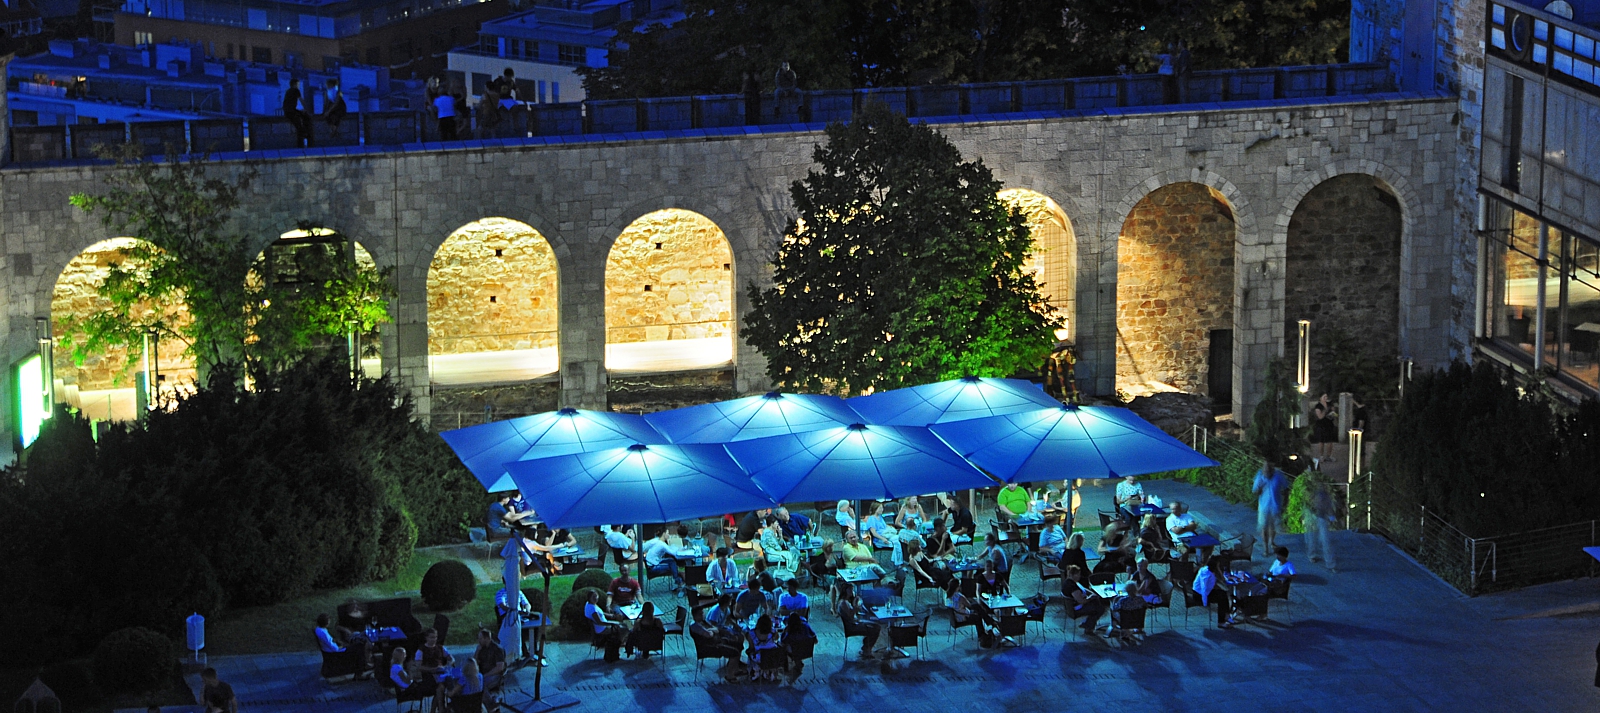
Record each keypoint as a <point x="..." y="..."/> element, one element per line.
<point x="845" y="515"/>
<point x="1281" y="567"/>
<point x="722" y="573"/>
<point x="1127" y="489"/>
<point x="1208" y="584"/>
<point x="620" y="539"/>
<point x="445" y="106"/>
<point x="660" y="558"/>
<point x="352" y="659"/>
<point x="1180" y="522"/>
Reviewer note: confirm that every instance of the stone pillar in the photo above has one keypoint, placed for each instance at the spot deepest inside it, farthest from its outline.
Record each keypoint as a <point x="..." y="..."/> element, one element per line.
<point x="583" y="321"/>
<point x="1258" y="317"/>
<point x="1347" y="414"/>
<point x="5" y="110"/>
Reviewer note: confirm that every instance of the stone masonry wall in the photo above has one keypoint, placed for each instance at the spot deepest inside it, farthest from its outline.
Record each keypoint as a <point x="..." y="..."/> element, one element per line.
<point x="581" y="196"/>
<point x="492" y="287"/>
<point x="1054" y="259"/>
<point x="669" y="276"/>
<point x="1175" y="263"/>
<point x="76" y="297"/>
<point x="1344" y="264"/>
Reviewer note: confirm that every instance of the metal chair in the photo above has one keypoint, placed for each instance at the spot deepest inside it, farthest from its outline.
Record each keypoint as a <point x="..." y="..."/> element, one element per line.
<point x="1127" y="622"/>
<point x="910" y="634"/>
<point x="1191" y="599"/>
<point x="1279" y="589"/>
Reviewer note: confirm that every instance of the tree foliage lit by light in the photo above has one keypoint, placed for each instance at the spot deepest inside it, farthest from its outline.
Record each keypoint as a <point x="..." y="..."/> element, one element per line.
<point x="903" y="267"/>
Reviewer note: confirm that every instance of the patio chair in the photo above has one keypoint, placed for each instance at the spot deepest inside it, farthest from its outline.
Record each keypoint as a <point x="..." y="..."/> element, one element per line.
<point x="800" y="652"/>
<point x="1128" y="623"/>
<point x="1279" y="589"/>
<point x="1047" y="572"/>
<point x="1181" y="573"/>
<point x="1013" y="625"/>
<point x="1191" y="599"/>
<point x="772" y="662"/>
<point x="704" y="649"/>
<point x="911" y="634"/>
<point x="921" y="583"/>
<point x="340" y="663"/>
<point x="958" y="622"/>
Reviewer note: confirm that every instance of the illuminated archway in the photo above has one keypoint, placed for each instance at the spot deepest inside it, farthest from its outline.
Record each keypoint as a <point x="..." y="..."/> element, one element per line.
<point x="1175" y="260"/>
<point x="1054" y="259"/>
<point x="669" y="295"/>
<point x="103" y="387"/>
<point x="492" y="305"/>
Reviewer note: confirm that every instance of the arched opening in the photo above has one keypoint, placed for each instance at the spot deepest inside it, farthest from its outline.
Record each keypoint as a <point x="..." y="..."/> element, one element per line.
<point x="1343" y="274"/>
<point x="493" y="303"/>
<point x="669" y="295"/>
<point x="1054" y="259"/>
<point x="104" y="385"/>
<point x="303" y="256"/>
<point x="1175" y="293"/>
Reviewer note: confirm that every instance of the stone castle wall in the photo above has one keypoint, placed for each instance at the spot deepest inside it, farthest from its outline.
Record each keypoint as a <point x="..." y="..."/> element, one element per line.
<point x="76" y="297"/>
<point x="582" y="197"/>
<point x="492" y="286"/>
<point x="669" y="276"/>
<point x="1344" y="264"/>
<point x="1054" y="257"/>
<point x="1174" y="286"/>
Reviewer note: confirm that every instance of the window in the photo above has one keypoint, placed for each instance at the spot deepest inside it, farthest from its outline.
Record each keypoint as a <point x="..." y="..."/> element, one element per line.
<point x="1512" y="172"/>
<point x="144" y="38"/>
<point x="1577" y="333"/>
<point x="1514" y="248"/>
<point x="570" y="54"/>
<point x="262" y="55"/>
<point x="555" y="92"/>
<point x="1568" y="326"/>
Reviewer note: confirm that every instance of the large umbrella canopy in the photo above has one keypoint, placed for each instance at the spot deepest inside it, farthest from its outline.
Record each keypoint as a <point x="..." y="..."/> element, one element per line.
<point x="770" y="414"/>
<point x="640" y="484"/>
<point x="486" y="448"/>
<point x="1068" y="442"/>
<point x="855" y="462"/>
<point x="954" y="400"/>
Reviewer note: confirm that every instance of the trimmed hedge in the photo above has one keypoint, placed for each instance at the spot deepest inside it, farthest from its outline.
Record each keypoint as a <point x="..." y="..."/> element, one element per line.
<point x="448" y="585"/>
<point x="597" y="578"/>
<point x="134" y="660"/>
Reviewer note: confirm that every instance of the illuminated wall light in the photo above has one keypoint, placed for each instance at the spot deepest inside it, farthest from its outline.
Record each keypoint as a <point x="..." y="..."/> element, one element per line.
<point x="30" y="409"/>
<point x="1302" y="372"/>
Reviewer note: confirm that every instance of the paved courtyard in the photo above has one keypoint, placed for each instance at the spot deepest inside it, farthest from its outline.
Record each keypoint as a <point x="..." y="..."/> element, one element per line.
<point x="1381" y="634"/>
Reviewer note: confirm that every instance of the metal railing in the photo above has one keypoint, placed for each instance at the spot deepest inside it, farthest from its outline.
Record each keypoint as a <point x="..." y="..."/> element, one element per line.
<point x="1278" y="86"/>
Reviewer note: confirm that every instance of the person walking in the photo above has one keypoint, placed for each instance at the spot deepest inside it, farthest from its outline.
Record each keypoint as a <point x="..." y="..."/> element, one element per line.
<point x="1269" y="488"/>
<point x="1318" y="515"/>
<point x="294" y="110"/>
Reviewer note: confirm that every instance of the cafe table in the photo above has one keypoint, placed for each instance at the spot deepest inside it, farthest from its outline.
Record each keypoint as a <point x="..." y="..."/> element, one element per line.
<point x="889" y="614"/>
<point x="1199" y="539"/>
<point x="631" y="612"/>
<point x="1105" y="591"/>
<point x="1003" y="601"/>
<point x="860" y="575"/>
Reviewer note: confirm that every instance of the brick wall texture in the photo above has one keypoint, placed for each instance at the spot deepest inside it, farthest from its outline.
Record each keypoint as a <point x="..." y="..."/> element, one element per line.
<point x="1344" y="263"/>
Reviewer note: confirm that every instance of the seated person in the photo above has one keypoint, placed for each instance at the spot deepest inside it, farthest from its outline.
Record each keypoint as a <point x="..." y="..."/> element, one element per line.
<point x="1146" y="583"/>
<point x="966" y="609"/>
<point x="750" y="601"/>
<point x="879" y="532"/>
<point x="502" y="604"/>
<point x="758" y="567"/>
<point x="1153" y="542"/>
<point x="941" y="545"/>
<point x="1130" y="600"/>
<point x="621" y="540"/>
<point x="1011" y="502"/>
<point x="466" y="692"/>
<point x="961" y="523"/>
<point x="1082" y="601"/>
<point x="418" y="687"/>
<point x="990" y="582"/>
<point x="910" y="516"/>
<point x="858" y="620"/>
<point x="1208" y="584"/>
<point x="660" y="558"/>
<point x="925" y="568"/>
<point x="722" y="641"/>
<point x="721" y="613"/>
<point x="793" y="600"/>
<point x="678" y="538"/>
<point x="1180" y="522"/>
<point x="624" y="591"/>
<point x="767" y="584"/>
<point x="1280" y="572"/>
<point x="845" y="516"/>
<point x="490" y="660"/>
<point x="522" y="513"/>
<point x="750" y="529"/>
<point x="352" y="657"/>
<point x="996" y="555"/>
<point x="432" y="658"/>
<point x="499" y="523"/>
<point x="649" y="633"/>
<point x="1114" y="548"/>
<point x="793" y="525"/>
<point x="722" y="573"/>
<point x="1073" y="555"/>
<point x="856" y="552"/>
<point x="798" y="639"/>
<point x="1052" y="539"/>
<point x="608" y="633"/>
<point x="217" y="696"/>
<point x="773" y="547"/>
<point x="763" y="639"/>
<point x="1127" y="490"/>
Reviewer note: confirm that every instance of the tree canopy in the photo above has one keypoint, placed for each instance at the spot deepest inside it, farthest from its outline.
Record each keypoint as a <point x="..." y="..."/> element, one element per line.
<point x="903" y="267"/>
<point x="838" y="44"/>
<point x="193" y="277"/>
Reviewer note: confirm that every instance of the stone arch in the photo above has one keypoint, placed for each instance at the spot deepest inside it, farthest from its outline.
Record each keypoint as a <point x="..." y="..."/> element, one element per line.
<point x="1386" y="177"/>
<point x="1244" y="216"/>
<point x="669" y="294"/>
<point x="493" y="297"/>
<point x="422" y="241"/>
<point x="1055" y="257"/>
<point x="103" y="387"/>
<point x="1342" y="272"/>
<point x="1175" y="291"/>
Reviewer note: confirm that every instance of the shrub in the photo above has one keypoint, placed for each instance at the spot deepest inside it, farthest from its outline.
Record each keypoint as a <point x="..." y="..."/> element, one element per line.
<point x="573" y="625"/>
<point x="1233" y="479"/>
<point x="448" y="585"/>
<point x="597" y="578"/>
<point x="537" y="599"/>
<point x="133" y="660"/>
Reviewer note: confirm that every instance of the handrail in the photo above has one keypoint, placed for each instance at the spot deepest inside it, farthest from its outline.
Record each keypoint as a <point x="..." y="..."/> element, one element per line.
<point x="666" y="116"/>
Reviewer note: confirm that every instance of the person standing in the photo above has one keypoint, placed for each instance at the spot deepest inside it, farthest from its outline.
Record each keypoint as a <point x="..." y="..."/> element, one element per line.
<point x="1318" y="515"/>
<point x="334" y="109"/>
<point x="444" y="106"/>
<point x="786" y="83"/>
<point x="294" y="111"/>
<point x="217" y="696"/>
<point x="1269" y="488"/>
<point x="1324" y="432"/>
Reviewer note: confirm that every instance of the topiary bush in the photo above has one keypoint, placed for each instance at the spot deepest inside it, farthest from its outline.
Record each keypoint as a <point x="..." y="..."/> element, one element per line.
<point x="597" y="578"/>
<point x="573" y="625"/>
<point x="133" y="660"/>
<point x="448" y="585"/>
<point x="537" y="599"/>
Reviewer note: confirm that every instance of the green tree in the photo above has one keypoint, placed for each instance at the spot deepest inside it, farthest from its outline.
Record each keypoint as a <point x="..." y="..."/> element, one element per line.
<point x="1272" y="432"/>
<point x="192" y="277"/>
<point x="903" y="267"/>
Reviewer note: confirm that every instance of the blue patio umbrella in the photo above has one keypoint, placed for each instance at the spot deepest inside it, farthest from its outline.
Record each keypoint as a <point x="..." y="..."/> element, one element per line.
<point x="639" y="484"/>
<point x="954" y="400"/>
<point x="1068" y="443"/>
<point x="855" y="462"/>
<point x="486" y="448"/>
<point x="770" y="414"/>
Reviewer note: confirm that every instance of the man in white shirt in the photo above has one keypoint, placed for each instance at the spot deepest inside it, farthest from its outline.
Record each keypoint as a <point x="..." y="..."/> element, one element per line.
<point x="622" y="541"/>
<point x="660" y="558"/>
<point x="722" y="573"/>
<point x="1180" y="522"/>
<point x="1281" y="567"/>
<point x="351" y="660"/>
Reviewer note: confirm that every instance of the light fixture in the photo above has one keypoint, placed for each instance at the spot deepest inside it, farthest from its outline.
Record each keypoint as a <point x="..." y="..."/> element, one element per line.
<point x="1354" y="437"/>
<point x="1302" y="368"/>
<point x="1061" y="334"/>
<point x="47" y="361"/>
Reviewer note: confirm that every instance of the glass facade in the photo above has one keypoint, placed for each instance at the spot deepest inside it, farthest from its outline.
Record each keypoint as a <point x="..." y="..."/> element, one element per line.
<point x="1543" y="293"/>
